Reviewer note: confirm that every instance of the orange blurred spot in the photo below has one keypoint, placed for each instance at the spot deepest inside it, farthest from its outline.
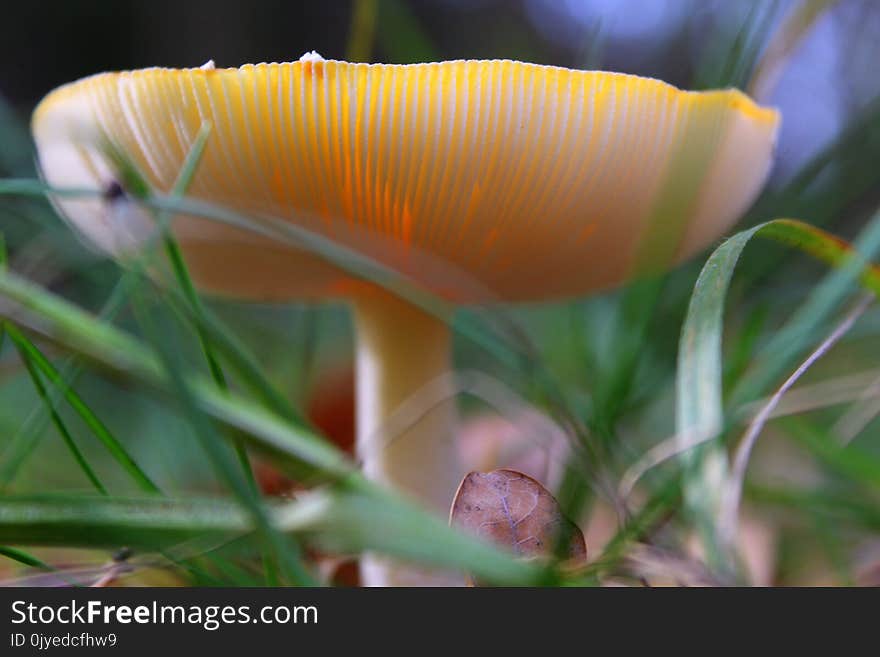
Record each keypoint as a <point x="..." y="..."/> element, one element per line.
<point x="331" y="408"/>
<point x="504" y="265"/>
<point x="491" y="238"/>
<point x="473" y="203"/>
<point x="278" y="187"/>
<point x="348" y="190"/>
<point x="406" y="225"/>
<point x="271" y="481"/>
<point x="326" y="215"/>
<point x="350" y="288"/>
<point x="587" y="232"/>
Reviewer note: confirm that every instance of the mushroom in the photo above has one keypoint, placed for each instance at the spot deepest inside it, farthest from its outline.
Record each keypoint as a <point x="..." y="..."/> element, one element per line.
<point x="480" y="181"/>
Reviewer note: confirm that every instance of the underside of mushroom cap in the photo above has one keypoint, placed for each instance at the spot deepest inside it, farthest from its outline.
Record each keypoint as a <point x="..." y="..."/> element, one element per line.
<point x="481" y="180"/>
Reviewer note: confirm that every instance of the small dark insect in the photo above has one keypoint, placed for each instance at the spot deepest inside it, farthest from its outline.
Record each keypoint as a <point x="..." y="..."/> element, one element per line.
<point x="123" y="554"/>
<point x="119" y="566"/>
<point x="113" y="191"/>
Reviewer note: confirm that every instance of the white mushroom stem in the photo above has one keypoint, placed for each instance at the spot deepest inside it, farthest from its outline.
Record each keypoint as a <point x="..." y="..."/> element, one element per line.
<point x="405" y="438"/>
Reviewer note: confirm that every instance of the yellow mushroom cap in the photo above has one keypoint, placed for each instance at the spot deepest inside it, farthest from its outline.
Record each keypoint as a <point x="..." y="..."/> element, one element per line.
<point x="481" y="180"/>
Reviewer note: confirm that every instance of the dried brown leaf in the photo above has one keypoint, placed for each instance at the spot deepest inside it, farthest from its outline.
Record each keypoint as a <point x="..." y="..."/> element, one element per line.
<point x="515" y="512"/>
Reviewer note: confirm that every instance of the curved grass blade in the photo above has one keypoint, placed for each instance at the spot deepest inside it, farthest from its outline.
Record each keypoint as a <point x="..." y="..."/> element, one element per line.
<point x="827" y="503"/>
<point x="285" y="551"/>
<point x="699" y="405"/>
<point x="25" y="350"/>
<point x="35" y="359"/>
<point x="851" y="266"/>
<point x="666" y="498"/>
<point x="25" y="441"/>
<point x="238" y="357"/>
<point x="23" y="557"/>
<point x="793" y="29"/>
<point x="130" y="173"/>
<point x="175" y="257"/>
<point x="856" y="464"/>
<point x="732" y="57"/>
<point x="728" y="514"/>
<point x="840" y="180"/>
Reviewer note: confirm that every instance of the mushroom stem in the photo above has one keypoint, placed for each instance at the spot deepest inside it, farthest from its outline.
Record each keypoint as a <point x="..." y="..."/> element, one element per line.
<point x="406" y="416"/>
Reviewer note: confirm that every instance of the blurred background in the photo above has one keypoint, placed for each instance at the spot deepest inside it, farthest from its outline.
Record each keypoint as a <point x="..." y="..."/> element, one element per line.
<point x="814" y="60"/>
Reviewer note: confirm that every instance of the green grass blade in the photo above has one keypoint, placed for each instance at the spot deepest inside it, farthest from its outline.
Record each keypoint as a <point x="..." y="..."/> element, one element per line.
<point x="237" y="356"/>
<point x="33" y="187"/>
<point x="175" y="257"/>
<point x="23" y="557"/>
<point x="793" y="29"/>
<point x="362" y="33"/>
<point x="345" y="520"/>
<point x="851" y="266"/>
<point x="150" y="523"/>
<point x="401" y="37"/>
<point x="179" y="268"/>
<point x="699" y="383"/>
<point x="666" y="499"/>
<point x="25" y="441"/>
<point x="286" y="552"/>
<point x="852" y="463"/>
<point x="35" y="359"/>
<point x="833" y="505"/>
<point x="25" y="350"/>
<point x="732" y="57"/>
